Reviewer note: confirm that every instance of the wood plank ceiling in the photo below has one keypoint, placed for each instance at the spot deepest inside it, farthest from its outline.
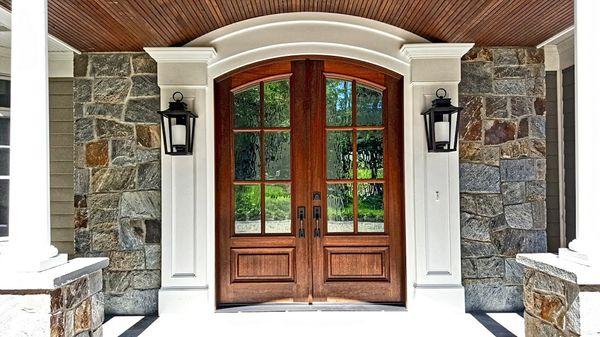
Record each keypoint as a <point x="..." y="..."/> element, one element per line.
<point x="130" y="25"/>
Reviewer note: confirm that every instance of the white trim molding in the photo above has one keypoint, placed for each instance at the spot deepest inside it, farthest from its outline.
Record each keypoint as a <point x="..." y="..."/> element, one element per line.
<point x="433" y="274"/>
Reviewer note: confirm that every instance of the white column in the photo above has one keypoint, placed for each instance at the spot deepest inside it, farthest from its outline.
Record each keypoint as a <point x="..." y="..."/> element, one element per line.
<point x="29" y="218"/>
<point x="437" y="283"/>
<point x="187" y="185"/>
<point x="587" y="123"/>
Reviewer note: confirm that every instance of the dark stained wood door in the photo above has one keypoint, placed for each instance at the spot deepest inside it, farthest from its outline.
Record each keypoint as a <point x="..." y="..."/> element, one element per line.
<point x="309" y="183"/>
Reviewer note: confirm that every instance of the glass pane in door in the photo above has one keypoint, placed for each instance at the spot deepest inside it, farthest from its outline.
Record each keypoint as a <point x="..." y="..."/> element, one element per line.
<point x="278" y="208"/>
<point x="369" y="106"/>
<point x="340" y="209"/>
<point x="370" y="208"/>
<point x="369" y="146"/>
<point x="339" y="154"/>
<point x="339" y="102"/>
<point x="247" y="156"/>
<point x="277" y="155"/>
<point x="277" y="103"/>
<point x="246" y="106"/>
<point x="247" y="209"/>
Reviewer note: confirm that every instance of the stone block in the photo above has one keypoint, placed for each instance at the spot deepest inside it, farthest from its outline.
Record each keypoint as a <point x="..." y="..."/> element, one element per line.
<point x="535" y="190"/>
<point x="536" y="87"/>
<point x="126" y="152"/>
<point x="143" y="110"/>
<point x="126" y="260"/>
<point x="513" y="192"/>
<point x="110" y="65"/>
<point x="540" y="106"/>
<point x="83" y="316"/>
<point x="152" y="256"/>
<point x="82" y="90"/>
<point x="153" y="231"/>
<point x="479" y="178"/>
<point x="540" y="169"/>
<point x="496" y="107"/>
<point x="105" y="240"/>
<point x="505" y="56"/>
<point x="513" y="87"/>
<point x="492" y="295"/>
<point x="537" y="148"/>
<point x="475" y="249"/>
<point x="537" y="327"/>
<point x="514" y="150"/>
<point x="468" y="268"/>
<point x="539" y="214"/>
<point x="518" y="170"/>
<point x="531" y="56"/>
<point x="470" y="118"/>
<point x="81" y="181"/>
<point x="148" y="176"/>
<point x="478" y="54"/>
<point x="468" y="203"/>
<point x="511" y="241"/>
<point x="144" y="85"/>
<point x="477" y="78"/>
<point x="148" y="135"/>
<point x="113" y="179"/>
<point x="513" y="272"/>
<point x="519" y="216"/>
<point x="83" y="130"/>
<point x="133" y="302"/>
<point x="97" y="303"/>
<point x="105" y="110"/>
<point x="96" y="153"/>
<point x="83" y="241"/>
<point x="132" y="234"/>
<point x="141" y="204"/>
<point x="117" y="282"/>
<point x="106" y="201"/>
<point x="536" y="281"/>
<point x="69" y="323"/>
<point x="143" y="64"/>
<point x="474" y="227"/>
<point x="75" y="292"/>
<point x="146" y="279"/>
<point x="102" y="216"/>
<point x="80" y="65"/>
<point x="111" y="90"/>
<point x="548" y="307"/>
<point x="56" y="300"/>
<point x="98" y="332"/>
<point x="78" y="110"/>
<point x="106" y="128"/>
<point x="489" y="267"/>
<point x="499" y="131"/>
<point x="511" y="72"/>
<point x="537" y="127"/>
<point x="81" y="218"/>
<point x="57" y="327"/>
<point x="489" y="204"/>
<point x="477" y="153"/>
<point x="95" y="282"/>
<point x="522" y="106"/>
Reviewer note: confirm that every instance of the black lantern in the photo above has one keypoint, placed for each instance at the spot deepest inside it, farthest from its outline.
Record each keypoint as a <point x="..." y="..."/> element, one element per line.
<point x="178" y="125"/>
<point x="441" y="124"/>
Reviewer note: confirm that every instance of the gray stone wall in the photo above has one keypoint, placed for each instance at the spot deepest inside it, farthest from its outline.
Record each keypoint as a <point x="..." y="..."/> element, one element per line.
<point x="502" y="172"/>
<point x="72" y="309"/>
<point x="117" y="175"/>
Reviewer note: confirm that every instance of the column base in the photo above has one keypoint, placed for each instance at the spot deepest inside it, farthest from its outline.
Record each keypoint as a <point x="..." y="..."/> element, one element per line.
<point x="447" y="299"/>
<point x="184" y="301"/>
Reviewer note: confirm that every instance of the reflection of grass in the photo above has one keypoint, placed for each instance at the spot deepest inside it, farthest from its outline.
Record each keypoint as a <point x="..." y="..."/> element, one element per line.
<point x="247" y="202"/>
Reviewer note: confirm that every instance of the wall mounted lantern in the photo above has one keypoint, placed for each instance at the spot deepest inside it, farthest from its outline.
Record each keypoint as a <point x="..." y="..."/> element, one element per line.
<point x="178" y="125"/>
<point x="441" y="124"/>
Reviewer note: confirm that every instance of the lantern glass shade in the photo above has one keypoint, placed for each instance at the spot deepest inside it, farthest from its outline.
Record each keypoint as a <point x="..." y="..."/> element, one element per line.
<point x="441" y="124"/>
<point x="178" y="127"/>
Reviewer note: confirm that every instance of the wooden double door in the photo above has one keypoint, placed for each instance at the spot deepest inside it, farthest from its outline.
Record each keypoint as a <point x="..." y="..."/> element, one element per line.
<point x="309" y="204"/>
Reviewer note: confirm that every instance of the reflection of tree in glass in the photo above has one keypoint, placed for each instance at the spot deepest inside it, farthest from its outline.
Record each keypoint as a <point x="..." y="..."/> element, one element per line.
<point x="277" y="155"/>
<point x="339" y="154"/>
<point x="277" y="103"/>
<point x="339" y="102"/>
<point x="278" y="202"/>
<point x="339" y="202"/>
<point x="247" y="156"/>
<point x="370" y="154"/>
<point x="369" y="106"/>
<point x="246" y="106"/>
<point x="247" y="202"/>
<point x="370" y="202"/>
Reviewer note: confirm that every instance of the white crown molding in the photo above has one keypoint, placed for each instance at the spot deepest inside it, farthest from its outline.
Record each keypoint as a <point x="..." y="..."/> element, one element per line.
<point x="428" y="51"/>
<point x="558" y="38"/>
<point x="181" y="54"/>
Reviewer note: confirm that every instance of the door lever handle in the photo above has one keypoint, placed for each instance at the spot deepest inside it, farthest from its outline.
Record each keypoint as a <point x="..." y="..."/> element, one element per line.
<point x="317" y="217"/>
<point x="301" y="216"/>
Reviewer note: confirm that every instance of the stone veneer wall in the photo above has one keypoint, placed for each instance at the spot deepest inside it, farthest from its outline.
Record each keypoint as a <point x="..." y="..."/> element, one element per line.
<point x="73" y="309"/>
<point x="117" y="175"/>
<point x="502" y="172"/>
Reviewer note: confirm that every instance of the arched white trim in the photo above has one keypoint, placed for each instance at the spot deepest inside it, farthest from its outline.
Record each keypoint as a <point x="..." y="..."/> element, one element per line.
<point x="305" y="33"/>
<point x="433" y="277"/>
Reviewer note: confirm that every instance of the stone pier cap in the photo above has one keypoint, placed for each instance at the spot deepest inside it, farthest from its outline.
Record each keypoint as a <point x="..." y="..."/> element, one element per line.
<point x="51" y="278"/>
<point x="561" y="268"/>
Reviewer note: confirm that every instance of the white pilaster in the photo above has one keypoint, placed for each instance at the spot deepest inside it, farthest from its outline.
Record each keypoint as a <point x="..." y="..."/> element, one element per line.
<point x="437" y="233"/>
<point x="187" y="184"/>
<point x="585" y="247"/>
<point x="29" y="218"/>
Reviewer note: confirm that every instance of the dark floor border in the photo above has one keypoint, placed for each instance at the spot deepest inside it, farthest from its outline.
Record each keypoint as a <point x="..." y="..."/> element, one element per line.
<point x="492" y="325"/>
<point x="291" y="307"/>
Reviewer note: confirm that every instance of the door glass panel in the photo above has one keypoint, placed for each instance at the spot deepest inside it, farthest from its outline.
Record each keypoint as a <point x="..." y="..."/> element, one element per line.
<point x="247" y="209"/>
<point x="369" y="106"/>
<point x="339" y="154"/>
<point x="370" y="208"/>
<point x="247" y="156"/>
<point x="339" y="102"/>
<point x="369" y="147"/>
<point x="277" y="155"/>
<point x="340" y="208"/>
<point x="278" y="208"/>
<point x="246" y="106"/>
<point x="277" y="103"/>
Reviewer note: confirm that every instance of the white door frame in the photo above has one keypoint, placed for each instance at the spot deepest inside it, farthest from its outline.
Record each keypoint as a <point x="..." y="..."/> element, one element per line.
<point x="433" y="274"/>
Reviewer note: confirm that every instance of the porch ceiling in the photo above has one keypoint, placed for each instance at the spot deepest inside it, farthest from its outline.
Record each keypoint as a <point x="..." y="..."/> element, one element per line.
<point x="130" y="25"/>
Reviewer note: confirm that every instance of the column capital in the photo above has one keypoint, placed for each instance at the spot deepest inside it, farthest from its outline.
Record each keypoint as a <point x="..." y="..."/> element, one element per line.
<point x="181" y="54"/>
<point x="183" y="67"/>
<point x="429" y="51"/>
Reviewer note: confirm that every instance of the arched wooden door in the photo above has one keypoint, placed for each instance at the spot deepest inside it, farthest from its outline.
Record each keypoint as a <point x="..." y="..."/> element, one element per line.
<point x="309" y="183"/>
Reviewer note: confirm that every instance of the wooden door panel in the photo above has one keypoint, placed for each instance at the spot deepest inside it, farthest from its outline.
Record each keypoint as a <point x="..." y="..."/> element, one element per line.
<point x="263" y="265"/>
<point x="356" y="264"/>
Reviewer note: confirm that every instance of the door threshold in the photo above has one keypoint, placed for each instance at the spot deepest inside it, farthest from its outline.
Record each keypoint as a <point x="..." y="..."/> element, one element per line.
<point x="317" y="306"/>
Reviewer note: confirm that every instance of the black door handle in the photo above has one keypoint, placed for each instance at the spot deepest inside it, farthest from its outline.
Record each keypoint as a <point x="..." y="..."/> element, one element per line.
<point x="317" y="217"/>
<point x="301" y="217"/>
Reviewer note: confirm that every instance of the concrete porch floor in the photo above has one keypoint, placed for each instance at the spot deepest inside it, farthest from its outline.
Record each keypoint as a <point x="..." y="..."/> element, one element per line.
<point x="347" y="324"/>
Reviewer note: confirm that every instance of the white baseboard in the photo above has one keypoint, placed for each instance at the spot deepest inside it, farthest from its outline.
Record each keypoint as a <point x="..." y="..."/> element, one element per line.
<point x="447" y="299"/>
<point x="184" y="301"/>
